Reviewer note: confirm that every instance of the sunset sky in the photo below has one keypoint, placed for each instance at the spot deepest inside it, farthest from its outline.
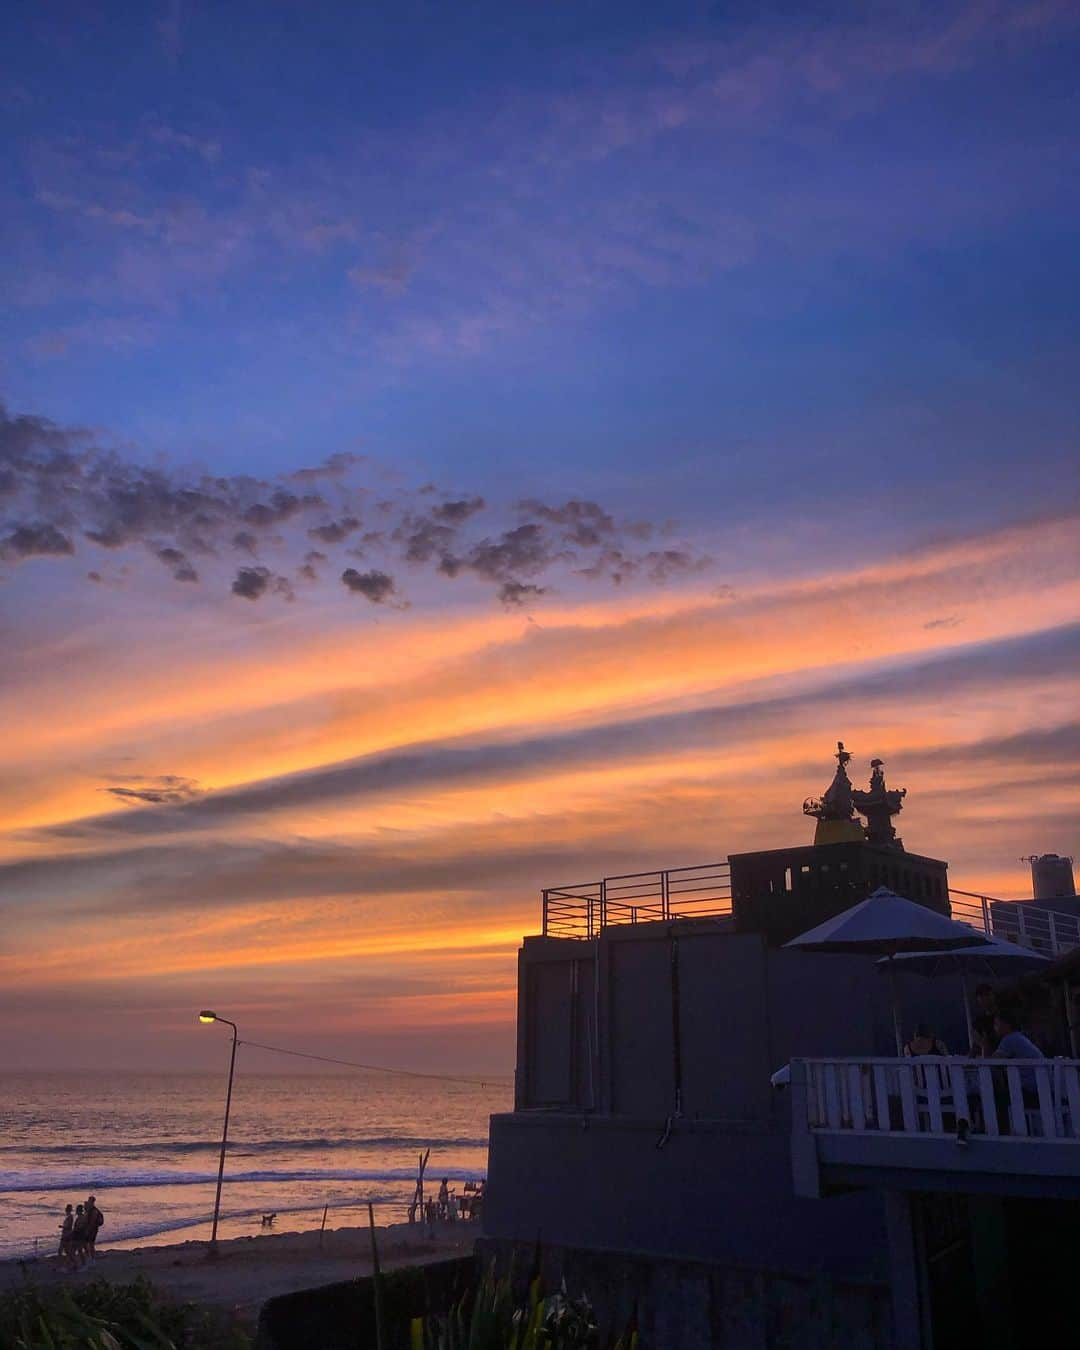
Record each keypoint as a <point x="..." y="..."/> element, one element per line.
<point x="448" y="450"/>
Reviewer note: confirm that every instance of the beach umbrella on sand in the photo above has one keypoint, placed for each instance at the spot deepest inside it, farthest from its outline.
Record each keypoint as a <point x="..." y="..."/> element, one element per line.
<point x="887" y="925"/>
<point x="995" y="957"/>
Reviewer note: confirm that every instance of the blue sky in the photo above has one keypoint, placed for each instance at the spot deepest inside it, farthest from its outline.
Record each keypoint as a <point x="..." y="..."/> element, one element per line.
<point x="577" y="242"/>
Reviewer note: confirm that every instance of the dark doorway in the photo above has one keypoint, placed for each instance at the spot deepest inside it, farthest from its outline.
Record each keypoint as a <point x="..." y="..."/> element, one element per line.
<point x="944" y="1225"/>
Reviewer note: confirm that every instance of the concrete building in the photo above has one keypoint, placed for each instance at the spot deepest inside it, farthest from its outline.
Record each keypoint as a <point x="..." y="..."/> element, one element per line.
<point x="1052" y="877"/>
<point x="647" y="1149"/>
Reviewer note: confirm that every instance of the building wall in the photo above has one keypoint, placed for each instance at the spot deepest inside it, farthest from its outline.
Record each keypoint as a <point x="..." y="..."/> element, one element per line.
<point x="1052" y="878"/>
<point x="617" y="1023"/>
<point x="596" y="1154"/>
<point x="705" y="1192"/>
<point x="639" y="1007"/>
<point x="557" y="1021"/>
<point x="725" y="1041"/>
<point x="549" y="1060"/>
<point x="784" y="892"/>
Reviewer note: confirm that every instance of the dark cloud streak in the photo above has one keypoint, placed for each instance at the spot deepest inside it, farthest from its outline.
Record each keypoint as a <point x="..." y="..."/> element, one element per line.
<point x="167" y="790"/>
<point x="59" y="485"/>
<point x="253" y="871"/>
<point x="453" y="762"/>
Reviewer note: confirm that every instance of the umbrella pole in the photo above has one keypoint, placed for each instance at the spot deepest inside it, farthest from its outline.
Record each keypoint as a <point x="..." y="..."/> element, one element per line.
<point x="894" y="999"/>
<point x="967" y="1010"/>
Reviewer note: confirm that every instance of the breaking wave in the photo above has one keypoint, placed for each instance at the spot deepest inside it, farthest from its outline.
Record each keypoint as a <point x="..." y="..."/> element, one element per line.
<point x="179" y="1147"/>
<point x="80" y="1178"/>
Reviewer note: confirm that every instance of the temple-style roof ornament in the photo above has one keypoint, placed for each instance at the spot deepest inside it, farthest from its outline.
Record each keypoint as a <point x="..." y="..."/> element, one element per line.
<point x="835" y="810"/>
<point x="879" y="805"/>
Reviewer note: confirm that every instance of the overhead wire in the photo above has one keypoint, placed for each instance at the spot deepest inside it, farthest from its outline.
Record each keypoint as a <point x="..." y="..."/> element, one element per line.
<point x="493" y="1080"/>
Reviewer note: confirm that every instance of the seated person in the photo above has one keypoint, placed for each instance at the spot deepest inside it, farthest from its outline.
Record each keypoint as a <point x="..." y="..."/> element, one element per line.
<point x="1013" y="1044"/>
<point x="924" y="1042"/>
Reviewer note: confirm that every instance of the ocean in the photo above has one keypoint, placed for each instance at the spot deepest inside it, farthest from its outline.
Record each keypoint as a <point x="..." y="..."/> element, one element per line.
<point x="147" y="1146"/>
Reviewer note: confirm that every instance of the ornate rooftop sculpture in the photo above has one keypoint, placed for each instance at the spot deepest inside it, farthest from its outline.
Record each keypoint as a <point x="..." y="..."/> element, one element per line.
<point x="879" y="805"/>
<point x="835" y="810"/>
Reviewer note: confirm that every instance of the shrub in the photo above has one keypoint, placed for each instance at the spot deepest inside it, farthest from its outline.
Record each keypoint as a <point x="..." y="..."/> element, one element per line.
<point x="104" y="1316"/>
<point x="487" y="1319"/>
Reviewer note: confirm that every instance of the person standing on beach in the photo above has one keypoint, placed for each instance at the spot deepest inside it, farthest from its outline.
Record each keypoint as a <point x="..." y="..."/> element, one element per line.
<point x="78" y="1237"/>
<point x="65" y="1235"/>
<point x="94" y="1220"/>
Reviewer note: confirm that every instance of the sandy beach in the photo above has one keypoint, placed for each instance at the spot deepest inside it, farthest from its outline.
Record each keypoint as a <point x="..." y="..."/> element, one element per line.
<point x="249" y="1270"/>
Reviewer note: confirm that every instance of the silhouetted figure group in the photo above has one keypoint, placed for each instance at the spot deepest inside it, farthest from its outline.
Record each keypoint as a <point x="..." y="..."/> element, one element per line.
<point x="449" y="1206"/>
<point x="996" y="1034"/>
<point x="78" y="1233"/>
<point x="442" y="1210"/>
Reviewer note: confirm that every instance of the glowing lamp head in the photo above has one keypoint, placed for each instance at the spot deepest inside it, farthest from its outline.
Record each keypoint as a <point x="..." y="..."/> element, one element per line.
<point x="207" y="1016"/>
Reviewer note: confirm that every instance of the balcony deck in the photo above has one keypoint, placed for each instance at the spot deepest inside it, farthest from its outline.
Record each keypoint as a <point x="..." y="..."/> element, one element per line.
<point x="892" y="1124"/>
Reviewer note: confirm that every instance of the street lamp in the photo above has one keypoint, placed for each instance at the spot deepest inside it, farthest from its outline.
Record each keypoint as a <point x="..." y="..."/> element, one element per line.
<point x="207" y="1016"/>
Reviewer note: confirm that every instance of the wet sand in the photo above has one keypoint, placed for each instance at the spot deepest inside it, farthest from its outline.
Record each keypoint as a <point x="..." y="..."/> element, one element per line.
<point x="248" y="1270"/>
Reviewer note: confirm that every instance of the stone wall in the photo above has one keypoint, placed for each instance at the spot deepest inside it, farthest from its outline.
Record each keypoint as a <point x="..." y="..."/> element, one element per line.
<point x="341" y="1316"/>
<point x="688" y="1305"/>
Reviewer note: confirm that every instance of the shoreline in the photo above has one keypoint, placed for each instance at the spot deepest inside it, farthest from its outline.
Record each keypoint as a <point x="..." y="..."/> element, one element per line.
<point x="249" y="1270"/>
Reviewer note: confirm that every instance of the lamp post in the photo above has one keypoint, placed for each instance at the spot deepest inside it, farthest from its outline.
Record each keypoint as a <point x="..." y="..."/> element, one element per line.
<point x="207" y="1016"/>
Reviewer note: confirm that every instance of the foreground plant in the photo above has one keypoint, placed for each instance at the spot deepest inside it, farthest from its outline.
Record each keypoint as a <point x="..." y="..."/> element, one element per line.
<point x="105" y="1316"/>
<point x="487" y="1319"/>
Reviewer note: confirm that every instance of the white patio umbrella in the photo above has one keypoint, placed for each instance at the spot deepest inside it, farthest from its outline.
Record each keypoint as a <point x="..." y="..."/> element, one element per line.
<point x="886" y="925"/>
<point x="995" y="957"/>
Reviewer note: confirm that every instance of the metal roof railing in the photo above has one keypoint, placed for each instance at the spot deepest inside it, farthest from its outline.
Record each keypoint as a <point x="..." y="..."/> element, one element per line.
<point x="581" y="910"/>
<point x="1028" y="925"/>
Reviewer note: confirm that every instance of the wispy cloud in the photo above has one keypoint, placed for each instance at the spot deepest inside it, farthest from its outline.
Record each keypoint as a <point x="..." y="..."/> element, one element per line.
<point x="539" y="207"/>
<point x="167" y="789"/>
<point x="170" y="29"/>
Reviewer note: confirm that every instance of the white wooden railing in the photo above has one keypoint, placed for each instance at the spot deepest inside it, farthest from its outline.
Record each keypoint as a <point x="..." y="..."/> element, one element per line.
<point x="930" y="1095"/>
